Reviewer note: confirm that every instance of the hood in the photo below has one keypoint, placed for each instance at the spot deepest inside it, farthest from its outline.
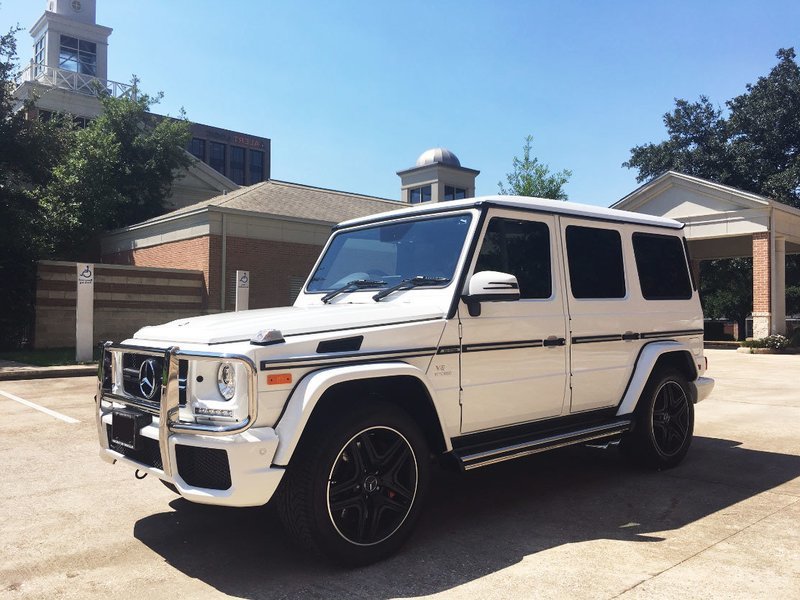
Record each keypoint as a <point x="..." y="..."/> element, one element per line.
<point x="290" y="320"/>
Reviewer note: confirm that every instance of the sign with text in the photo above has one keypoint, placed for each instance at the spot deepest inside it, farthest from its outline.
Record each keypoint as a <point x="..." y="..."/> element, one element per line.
<point x="84" y="313"/>
<point x="242" y="290"/>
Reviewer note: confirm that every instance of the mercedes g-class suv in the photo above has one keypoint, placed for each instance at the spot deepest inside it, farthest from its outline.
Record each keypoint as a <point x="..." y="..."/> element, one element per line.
<point x="470" y="332"/>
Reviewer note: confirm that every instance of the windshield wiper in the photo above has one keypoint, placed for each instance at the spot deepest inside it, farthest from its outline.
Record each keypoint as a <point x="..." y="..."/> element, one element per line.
<point x="352" y="286"/>
<point x="407" y="284"/>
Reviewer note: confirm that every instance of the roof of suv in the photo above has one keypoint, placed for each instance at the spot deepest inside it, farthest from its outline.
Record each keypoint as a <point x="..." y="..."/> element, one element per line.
<point x="540" y="205"/>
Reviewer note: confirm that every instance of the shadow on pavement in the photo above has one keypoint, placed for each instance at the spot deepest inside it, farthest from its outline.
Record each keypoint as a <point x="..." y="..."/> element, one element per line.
<point x="474" y="524"/>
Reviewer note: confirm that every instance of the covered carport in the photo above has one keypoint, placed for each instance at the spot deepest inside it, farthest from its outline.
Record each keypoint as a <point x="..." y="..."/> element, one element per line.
<point x="726" y="222"/>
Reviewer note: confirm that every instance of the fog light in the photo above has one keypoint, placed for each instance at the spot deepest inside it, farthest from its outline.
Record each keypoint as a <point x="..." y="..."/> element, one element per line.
<point x="213" y="412"/>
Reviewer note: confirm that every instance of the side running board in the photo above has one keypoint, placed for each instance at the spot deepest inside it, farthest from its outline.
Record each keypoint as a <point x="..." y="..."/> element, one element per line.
<point x="474" y="457"/>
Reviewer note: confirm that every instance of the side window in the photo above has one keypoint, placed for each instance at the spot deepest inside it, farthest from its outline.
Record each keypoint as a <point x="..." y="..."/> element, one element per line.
<point x="662" y="267"/>
<point x="595" y="262"/>
<point x="521" y="248"/>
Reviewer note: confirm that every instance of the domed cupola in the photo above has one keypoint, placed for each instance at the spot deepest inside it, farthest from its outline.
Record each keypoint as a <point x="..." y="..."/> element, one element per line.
<point x="438" y="155"/>
<point x="437" y="176"/>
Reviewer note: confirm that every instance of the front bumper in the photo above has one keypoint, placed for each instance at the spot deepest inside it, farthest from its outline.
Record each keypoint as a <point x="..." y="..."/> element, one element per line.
<point x="228" y="464"/>
<point x="704" y="386"/>
<point x="242" y="462"/>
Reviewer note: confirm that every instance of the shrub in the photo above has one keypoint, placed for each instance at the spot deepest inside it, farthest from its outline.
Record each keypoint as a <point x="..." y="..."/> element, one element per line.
<point x="776" y="342"/>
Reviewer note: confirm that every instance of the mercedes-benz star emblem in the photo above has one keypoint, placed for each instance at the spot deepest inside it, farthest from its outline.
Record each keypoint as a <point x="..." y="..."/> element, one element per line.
<point x="147" y="378"/>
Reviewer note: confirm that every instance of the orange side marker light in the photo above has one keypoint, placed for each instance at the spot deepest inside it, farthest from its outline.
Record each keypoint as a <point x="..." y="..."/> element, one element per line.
<point x="279" y="379"/>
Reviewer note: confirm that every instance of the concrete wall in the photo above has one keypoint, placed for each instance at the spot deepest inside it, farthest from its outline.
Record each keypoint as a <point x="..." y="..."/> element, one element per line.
<point x="125" y="299"/>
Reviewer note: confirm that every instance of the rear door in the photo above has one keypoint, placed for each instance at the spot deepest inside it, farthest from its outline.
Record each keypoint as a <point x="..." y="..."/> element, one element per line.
<point x="603" y="347"/>
<point x="513" y="356"/>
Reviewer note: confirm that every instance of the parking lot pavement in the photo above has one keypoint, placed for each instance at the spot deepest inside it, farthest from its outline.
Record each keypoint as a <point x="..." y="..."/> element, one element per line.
<point x="577" y="523"/>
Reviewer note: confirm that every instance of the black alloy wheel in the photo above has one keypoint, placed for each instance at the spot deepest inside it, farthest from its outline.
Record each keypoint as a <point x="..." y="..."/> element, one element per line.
<point x="670" y="418"/>
<point x="663" y="422"/>
<point x="353" y="490"/>
<point x="372" y="485"/>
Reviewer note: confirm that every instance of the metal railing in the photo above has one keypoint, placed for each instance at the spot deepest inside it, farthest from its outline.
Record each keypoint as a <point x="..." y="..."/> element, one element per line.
<point x="73" y="82"/>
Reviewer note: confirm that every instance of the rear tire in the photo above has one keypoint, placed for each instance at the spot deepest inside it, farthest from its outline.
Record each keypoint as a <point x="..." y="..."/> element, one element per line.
<point x="353" y="490"/>
<point x="663" y="422"/>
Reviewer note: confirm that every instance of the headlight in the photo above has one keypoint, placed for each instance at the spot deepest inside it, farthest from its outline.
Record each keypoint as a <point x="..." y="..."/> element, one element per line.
<point x="226" y="380"/>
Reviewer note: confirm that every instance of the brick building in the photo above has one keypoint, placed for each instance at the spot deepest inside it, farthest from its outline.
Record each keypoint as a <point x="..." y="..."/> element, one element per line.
<point x="274" y="229"/>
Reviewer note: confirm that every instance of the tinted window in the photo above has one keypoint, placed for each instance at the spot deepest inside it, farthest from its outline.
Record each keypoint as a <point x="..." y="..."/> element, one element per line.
<point x="237" y="165"/>
<point x="198" y="148"/>
<point x="421" y="194"/>
<point x="256" y="166"/>
<point x="663" y="271"/>
<point x="521" y="248"/>
<point x="217" y="157"/>
<point x="595" y="262"/>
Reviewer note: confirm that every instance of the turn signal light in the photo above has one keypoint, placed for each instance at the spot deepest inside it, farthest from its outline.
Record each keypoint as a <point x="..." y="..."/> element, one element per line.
<point x="279" y="379"/>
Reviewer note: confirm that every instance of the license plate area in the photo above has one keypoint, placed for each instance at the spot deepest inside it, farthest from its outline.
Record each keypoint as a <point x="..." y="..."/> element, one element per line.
<point x="125" y="426"/>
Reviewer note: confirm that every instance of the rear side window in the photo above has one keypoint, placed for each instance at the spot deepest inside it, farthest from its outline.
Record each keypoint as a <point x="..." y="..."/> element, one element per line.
<point x="521" y="248"/>
<point x="662" y="266"/>
<point x="595" y="262"/>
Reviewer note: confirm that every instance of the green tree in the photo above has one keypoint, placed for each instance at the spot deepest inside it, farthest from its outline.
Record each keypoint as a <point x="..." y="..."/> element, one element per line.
<point x="754" y="145"/>
<point x="529" y="177"/>
<point x="118" y="171"/>
<point x="726" y="289"/>
<point x="29" y="150"/>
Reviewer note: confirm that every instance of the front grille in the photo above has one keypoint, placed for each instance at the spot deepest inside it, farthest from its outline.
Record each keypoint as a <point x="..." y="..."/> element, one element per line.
<point x="133" y="375"/>
<point x="148" y="453"/>
<point x="204" y="467"/>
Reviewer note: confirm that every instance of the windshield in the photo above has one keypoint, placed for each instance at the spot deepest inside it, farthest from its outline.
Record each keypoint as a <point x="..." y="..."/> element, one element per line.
<point x="389" y="253"/>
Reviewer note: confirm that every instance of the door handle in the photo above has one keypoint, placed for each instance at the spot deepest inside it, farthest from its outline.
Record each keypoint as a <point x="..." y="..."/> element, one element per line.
<point x="553" y="341"/>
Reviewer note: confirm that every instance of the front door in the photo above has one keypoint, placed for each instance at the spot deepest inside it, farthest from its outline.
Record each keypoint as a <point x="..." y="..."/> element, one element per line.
<point x="513" y="356"/>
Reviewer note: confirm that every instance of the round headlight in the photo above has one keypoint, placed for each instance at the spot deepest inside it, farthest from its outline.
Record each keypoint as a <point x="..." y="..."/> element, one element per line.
<point x="226" y="380"/>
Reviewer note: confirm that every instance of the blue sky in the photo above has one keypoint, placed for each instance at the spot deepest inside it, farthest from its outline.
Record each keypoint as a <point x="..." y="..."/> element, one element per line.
<point x="351" y="92"/>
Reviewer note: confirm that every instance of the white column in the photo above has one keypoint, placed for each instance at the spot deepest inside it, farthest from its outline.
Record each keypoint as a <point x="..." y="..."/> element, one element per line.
<point x="84" y="313"/>
<point x="778" y="308"/>
<point x="242" y="290"/>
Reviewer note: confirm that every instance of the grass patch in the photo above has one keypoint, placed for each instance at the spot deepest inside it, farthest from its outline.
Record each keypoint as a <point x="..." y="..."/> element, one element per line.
<point x="49" y="357"/>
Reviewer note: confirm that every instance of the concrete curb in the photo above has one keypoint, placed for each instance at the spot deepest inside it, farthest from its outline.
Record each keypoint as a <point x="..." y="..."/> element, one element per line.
<point x="30" y="372"/>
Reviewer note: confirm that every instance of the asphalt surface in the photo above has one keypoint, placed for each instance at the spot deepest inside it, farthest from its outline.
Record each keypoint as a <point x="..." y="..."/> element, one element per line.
<point x="576" y="523"/>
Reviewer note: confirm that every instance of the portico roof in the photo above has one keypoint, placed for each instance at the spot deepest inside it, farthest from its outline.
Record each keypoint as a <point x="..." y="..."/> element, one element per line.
<point x="711" y="210"/>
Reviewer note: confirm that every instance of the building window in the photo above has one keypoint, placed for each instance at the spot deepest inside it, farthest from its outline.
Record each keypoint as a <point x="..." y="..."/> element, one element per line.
<point x="38" y="56"/>
<point x="256" y="166"/>
<point x="237" y="165"/>
<point x="420" y="194"/>
<point x="78" y="55"/>
<point x="217" y="157"/>
<point x="197" y="147"/>
<point x="595" y="263"/>
<point x="663" y="270"/>
<point x="454" y="193"/>
<point x="521" y="248"/>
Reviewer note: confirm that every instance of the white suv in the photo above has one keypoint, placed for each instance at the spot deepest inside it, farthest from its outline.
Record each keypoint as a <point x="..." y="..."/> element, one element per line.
<point x="478" y="331"/>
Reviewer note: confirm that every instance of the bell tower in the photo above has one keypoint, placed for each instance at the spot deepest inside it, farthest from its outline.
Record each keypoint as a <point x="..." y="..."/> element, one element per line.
<point x="67" y="37"/>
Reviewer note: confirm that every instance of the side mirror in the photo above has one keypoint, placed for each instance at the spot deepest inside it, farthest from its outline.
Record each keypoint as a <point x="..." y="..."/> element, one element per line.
<point x="490" y="286"/>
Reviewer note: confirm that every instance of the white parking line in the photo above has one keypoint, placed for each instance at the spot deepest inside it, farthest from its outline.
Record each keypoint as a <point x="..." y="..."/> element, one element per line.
<point x="46" y="411"/>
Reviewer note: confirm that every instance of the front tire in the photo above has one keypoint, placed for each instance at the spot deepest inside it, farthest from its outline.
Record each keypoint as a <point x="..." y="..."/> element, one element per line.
<point x="663" y="423"/>
<point x="353" y="490"/>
